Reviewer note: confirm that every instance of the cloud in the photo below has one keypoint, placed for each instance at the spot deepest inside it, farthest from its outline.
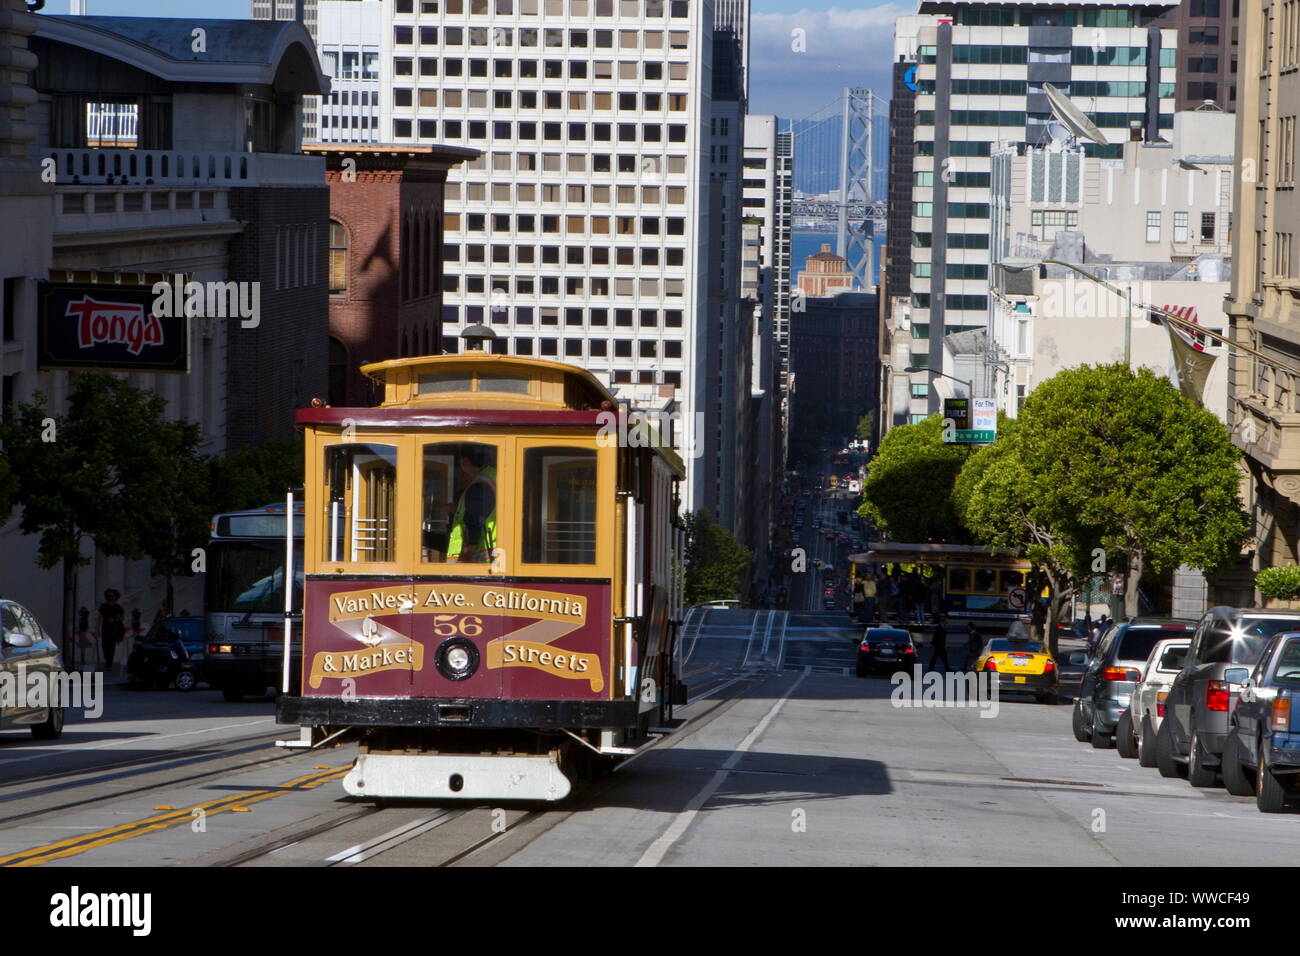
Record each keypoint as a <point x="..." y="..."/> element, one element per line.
<point x="841" y="48"/>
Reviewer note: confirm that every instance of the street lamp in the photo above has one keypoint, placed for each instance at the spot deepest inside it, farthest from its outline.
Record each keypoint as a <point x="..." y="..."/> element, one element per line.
<point x="1019" y="264"/>
<point x="970" y="388"/>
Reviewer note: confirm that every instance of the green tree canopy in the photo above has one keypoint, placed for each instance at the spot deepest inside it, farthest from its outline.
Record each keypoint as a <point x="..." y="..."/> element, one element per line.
<point x="909" y="486"/>
<point x="1113" y="459"/>
<point x="715" y="561"/>
<point x="255" y="476"/>
<point x="866" y="426"/>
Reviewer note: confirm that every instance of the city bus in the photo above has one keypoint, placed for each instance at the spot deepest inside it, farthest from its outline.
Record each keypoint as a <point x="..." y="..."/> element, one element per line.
<point x="990" y="590"/>
<point x="244" y="600"/>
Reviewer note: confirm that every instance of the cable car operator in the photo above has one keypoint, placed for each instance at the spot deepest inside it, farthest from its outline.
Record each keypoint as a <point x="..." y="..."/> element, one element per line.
<point x="474" y="522"/>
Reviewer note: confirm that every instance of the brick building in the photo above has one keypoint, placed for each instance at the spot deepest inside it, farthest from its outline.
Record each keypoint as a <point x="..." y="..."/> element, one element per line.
<point x="385" y="265"/>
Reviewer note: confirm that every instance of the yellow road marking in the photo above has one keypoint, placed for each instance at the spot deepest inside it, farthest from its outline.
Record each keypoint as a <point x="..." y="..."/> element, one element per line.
<point x="90" y="841"/>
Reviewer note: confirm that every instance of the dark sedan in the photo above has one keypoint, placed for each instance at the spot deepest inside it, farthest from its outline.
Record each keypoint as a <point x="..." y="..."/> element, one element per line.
<point x="1261" y="754"/>
<point x="885" y="649"/>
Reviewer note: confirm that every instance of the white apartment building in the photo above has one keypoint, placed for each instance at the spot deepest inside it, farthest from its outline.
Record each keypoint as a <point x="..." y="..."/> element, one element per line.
<point x="582" y="232"/>
<point x="767" y="189"/>
<point x="1156" y="221"/>
<point x="348" y="38"/>
<point x="980" y="81"/>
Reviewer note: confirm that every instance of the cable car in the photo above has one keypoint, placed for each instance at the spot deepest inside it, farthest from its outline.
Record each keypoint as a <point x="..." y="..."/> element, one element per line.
<point x="491" y="591"/>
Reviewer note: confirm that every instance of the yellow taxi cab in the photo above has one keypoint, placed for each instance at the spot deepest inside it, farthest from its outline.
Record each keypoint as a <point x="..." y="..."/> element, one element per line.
<point x="1022" y="666"/>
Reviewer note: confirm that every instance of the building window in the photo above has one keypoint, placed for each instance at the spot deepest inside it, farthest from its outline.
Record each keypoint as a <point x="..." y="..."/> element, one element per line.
<point x="1180" y="227"/>
<point x="338" y="258"/>
<point x="1153" y="227"/>
<point x="1207" y="227"/>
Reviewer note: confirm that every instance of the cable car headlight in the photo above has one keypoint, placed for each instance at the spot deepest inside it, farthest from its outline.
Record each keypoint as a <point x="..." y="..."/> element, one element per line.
<point x="457" y="659"/>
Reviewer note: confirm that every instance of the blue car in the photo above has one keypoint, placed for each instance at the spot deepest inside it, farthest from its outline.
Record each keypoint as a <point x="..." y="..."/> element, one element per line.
<point x="1261" y="754"/>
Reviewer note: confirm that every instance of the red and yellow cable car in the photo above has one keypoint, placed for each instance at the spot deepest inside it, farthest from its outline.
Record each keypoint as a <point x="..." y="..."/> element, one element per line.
<point x="491" y="588"/>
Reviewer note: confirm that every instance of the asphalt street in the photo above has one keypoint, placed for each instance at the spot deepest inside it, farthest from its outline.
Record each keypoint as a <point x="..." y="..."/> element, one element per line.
<point x="786" y="759"/>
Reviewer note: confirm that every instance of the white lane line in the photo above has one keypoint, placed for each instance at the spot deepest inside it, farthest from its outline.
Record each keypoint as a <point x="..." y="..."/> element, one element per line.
<point x="655" y="853"/>
<point x="71" y="745"/>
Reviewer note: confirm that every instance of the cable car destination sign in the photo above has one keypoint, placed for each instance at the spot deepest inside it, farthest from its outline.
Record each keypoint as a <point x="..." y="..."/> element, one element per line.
<point x="970" y="421"/>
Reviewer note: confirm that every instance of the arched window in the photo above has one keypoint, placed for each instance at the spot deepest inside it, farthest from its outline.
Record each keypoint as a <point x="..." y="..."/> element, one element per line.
<point x="338" y="258"/>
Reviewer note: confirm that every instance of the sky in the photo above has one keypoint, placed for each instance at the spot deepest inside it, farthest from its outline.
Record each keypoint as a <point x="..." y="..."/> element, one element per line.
<point x="842" y="45"/>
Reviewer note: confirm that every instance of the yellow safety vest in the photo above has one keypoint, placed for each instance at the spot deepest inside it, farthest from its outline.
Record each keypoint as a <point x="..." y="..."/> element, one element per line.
<point x="456" y="540"/>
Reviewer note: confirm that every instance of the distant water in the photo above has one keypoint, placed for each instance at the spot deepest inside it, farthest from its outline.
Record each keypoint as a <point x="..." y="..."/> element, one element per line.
<point x="805" y="244"/>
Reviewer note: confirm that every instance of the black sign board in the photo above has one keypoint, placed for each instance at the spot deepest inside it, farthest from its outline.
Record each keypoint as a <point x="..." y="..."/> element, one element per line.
<point x="958" y="410"/>
<point x="95" y="325"/>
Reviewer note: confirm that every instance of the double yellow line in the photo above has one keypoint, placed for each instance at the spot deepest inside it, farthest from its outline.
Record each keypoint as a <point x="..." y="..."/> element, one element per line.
<point x="126" y="831"/>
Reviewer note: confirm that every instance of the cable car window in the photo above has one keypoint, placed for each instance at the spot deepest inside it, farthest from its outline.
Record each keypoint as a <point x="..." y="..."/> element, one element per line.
<point x="959" y="579"/>
<point x="514" y="384"/>
<point x="560" y="506"/>
<point x="985" y="580"/>
<point x="446" y="382"/>
<point x="1012" y="579"/>
<point x="361" y="510"/>
<point x="459" y="503"/>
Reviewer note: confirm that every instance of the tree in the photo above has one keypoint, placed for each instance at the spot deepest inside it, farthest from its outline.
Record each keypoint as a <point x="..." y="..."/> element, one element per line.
<point x="999" y="502"/>
<point x="255" y="476"/>
<point x="715" y="562"/>
<point x="83" y="475"/>
<point x="1130" y="471"/>
<point x="908" y="491"/>
<point x="866" y="426"/>
<point x="180" y="495"/>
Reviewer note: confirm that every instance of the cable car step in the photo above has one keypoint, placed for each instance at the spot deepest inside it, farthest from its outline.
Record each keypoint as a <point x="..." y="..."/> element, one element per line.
<point x="669" y="727"/>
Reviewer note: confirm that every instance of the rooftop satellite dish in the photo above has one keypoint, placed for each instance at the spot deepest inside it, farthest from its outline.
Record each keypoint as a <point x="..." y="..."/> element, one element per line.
<point x="1072" y="118"/>
<point x="1058" y="133"/>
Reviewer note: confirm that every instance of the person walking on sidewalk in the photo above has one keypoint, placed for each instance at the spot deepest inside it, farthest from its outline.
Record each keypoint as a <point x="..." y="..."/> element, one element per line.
<point x="974" y="644"/>
<point x="939" y="645"/>
<point x="112" y="626"/>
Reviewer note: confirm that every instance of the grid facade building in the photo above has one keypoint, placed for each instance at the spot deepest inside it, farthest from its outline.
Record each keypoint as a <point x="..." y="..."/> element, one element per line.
<point x="581" y="233"/>
<point x="766" y="194"/>
<point x="348" y="41"/>
<point x="979" y="83"/>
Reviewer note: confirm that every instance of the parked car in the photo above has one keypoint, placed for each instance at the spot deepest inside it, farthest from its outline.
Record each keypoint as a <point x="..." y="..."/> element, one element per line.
<point x="1136" y="733"/>
<point x="1227" y="644"/>
<point x="1112" y="672"/>
<point x="26" y="649"/>
<point x="1261" y="754"/>
<point x="884" y="649"/>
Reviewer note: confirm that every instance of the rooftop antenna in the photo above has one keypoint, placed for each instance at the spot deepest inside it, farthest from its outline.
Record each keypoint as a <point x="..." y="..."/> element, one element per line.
<point x="1072" y="118"/>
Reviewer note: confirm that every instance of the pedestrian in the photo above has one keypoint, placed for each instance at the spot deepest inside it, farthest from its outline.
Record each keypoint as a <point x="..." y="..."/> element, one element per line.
<point x="869" y="590"/>
<point x="888" y="591"/>
<point x="859" y="599"/>
<point x="939" y="644"/>
<point x="920" y="594"/>
<point x="112" y="625"/>
<point x="974" y="644"/>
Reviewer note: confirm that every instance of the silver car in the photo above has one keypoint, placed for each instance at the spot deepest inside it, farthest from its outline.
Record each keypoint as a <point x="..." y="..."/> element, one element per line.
<point x="26" y="650"/>
<point x="1147" y="705"/>
<point x="1114" y="669"/>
